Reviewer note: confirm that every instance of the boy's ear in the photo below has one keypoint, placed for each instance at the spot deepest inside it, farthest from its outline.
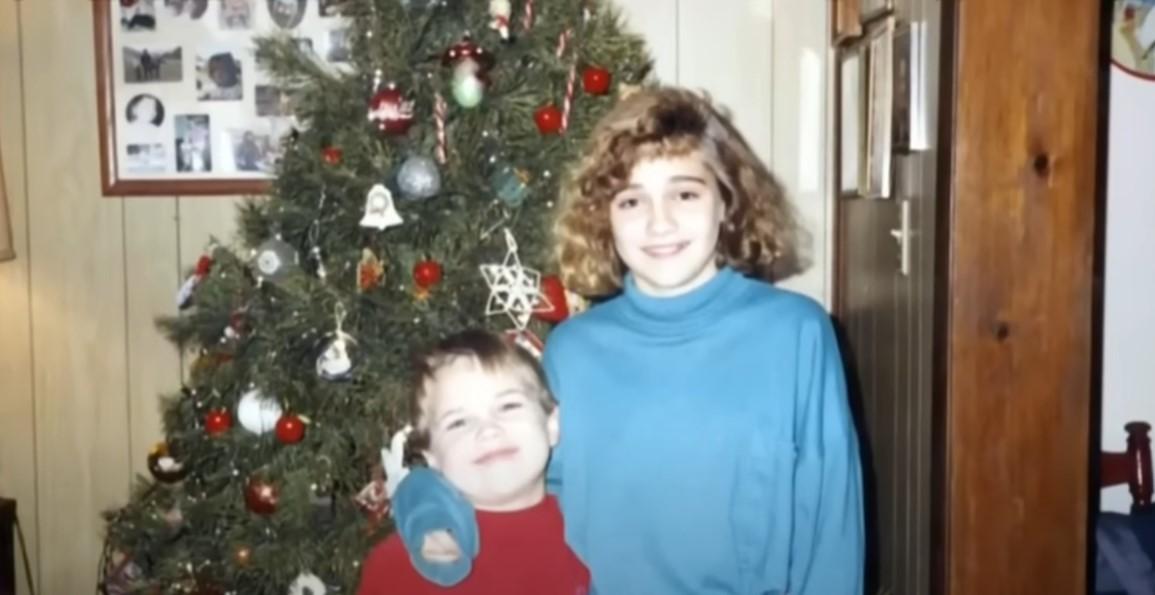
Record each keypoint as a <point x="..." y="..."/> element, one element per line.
<point x="430" y="460"/>
<point x="553" y="426"/>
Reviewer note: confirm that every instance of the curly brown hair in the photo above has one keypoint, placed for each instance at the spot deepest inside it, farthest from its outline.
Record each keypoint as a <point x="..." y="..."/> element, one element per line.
<point x="759" y="235"/>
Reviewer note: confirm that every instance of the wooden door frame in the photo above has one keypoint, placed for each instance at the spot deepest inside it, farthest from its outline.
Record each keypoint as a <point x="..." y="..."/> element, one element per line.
<point x="1019" y="238"/>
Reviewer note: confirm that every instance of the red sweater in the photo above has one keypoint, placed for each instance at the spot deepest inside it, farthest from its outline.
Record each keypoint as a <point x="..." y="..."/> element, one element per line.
<point x="522" y="552"/>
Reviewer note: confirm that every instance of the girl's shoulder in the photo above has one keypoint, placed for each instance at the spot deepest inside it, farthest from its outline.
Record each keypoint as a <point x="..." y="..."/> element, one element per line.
<point x="781" y="304"/>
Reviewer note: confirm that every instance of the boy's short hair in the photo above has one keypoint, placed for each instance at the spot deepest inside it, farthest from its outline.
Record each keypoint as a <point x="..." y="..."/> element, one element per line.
<point x="492" y="352"/>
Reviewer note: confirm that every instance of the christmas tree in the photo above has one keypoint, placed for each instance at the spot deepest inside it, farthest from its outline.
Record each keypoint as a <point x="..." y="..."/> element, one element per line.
<point x="412" y="190"/>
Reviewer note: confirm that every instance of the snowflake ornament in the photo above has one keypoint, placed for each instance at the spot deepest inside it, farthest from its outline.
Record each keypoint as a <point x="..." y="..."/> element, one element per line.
<point x="514" y="290"/>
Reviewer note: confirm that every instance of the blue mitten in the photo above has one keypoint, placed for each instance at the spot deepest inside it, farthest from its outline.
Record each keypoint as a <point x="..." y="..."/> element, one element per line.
<point x="425" y="502"/>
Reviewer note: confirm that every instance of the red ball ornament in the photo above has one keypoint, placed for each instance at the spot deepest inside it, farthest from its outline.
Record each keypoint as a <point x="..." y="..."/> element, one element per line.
<point x="596" y="80"/>
<point x="290" y="429"/>
<point x="390" y="111"/>
<point x="553" y="291"/>
<point x="464" y="50"/>
<point x="260" y="497"/>
<point x="548" y="119"/>
<point x="427" y="273"/>
<point x="218" y="421"/>
<point x="331" y="155"/>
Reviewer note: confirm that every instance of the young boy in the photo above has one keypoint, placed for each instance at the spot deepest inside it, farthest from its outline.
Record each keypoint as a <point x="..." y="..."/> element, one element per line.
<point x="486" y="421"/>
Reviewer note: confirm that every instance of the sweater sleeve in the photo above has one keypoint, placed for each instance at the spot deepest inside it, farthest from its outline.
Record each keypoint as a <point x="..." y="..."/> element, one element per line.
<point x="827" y="540"/>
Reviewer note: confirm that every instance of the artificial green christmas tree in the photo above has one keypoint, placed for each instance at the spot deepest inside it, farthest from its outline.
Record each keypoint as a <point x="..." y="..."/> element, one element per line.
<point x="410" y="192"/>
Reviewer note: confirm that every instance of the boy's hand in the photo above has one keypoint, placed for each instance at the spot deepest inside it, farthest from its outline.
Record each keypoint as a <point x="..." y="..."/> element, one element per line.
<point x="440" y="547"/>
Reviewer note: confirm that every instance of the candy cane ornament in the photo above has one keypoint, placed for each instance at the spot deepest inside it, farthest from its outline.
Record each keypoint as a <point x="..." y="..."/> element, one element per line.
<point x="439" y="110"/>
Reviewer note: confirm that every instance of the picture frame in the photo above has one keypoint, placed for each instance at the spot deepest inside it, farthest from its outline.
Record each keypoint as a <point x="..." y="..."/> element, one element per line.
<point x="850" y="123"/>
<point x="911" y="112"/>
<point x="182" y="106"/>
<point x="845" y="22"/>
<point x="870" y="10"/>
<point x="879" y="40"/>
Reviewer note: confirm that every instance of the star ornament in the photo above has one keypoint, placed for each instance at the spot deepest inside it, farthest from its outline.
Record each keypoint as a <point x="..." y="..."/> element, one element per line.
<point x="514" y="290"/>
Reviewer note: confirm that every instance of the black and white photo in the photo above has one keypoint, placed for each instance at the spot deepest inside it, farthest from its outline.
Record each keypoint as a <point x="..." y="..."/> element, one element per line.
<point x="329" y="8"/>
<point x="192" y="9"/>
<point x="152" y="64"/>
<point x="272" y="101"/>
<point x="193" y="142"/>
<point x="287" y="14"/>
<point x="219" y="75"/>
<point x="146" y="158"/>
<point x="144" y="111"/>
<point x="253" y="151"/>
<point x="338" y="46"/>
<point x="236" y="14"/>
<point x="138" y="15"/>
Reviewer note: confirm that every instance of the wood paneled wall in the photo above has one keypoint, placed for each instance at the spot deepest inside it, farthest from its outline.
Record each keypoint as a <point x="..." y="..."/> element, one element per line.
<point x="81" y="364"/>
<point x="1017" y="330"/>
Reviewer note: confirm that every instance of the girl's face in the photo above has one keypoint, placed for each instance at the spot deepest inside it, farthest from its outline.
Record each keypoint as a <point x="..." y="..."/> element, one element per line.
<point x="666" y="222"/>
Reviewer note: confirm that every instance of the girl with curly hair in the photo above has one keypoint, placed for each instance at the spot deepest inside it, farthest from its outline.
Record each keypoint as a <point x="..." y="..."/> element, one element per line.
<point x="707" y="444"/>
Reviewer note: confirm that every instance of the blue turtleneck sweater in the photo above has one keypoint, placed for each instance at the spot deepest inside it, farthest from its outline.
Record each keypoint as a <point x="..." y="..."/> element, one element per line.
<point x="707" y="444"/>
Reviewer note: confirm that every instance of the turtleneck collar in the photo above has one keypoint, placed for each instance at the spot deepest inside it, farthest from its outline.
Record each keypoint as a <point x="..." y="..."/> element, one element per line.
<point x="696" y="308"/>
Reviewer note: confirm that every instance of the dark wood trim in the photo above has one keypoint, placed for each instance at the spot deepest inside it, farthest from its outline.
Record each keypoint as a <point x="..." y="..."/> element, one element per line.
<point x="1015" y="320"/>
<point x="110" y="184"/>
<point x="944" y="177"/>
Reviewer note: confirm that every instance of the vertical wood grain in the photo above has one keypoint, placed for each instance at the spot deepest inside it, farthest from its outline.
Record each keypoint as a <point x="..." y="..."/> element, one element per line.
<point x="151" y="257"/>
<point x="1018" y="327"/>
<point x="78" y="296"/>
<point x="17" y="394"/>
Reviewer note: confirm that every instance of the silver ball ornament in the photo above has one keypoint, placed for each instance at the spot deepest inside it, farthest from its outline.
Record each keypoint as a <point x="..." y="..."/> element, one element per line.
<point x="419" y="178"/>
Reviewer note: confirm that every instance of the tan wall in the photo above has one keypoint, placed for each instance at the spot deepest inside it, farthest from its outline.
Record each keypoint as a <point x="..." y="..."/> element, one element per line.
<point x="81" y="364"/>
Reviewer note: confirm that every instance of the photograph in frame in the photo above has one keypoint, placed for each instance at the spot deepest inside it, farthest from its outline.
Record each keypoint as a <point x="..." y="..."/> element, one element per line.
<point x="851" y="110"/>
<point x="183" y="106"/>
<point x="879" y="108"/>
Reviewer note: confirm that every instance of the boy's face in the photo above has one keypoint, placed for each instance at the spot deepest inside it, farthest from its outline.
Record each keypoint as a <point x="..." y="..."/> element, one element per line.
<point x="666" y="223"/>
<point x="489" y="435"/>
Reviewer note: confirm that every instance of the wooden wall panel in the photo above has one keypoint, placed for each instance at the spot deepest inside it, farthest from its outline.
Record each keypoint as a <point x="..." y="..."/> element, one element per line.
<point x="1018" y="325"/>
<point x="151" y="258"/>
<point x="17" y="402"/>
<point x="78" y="296"/>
